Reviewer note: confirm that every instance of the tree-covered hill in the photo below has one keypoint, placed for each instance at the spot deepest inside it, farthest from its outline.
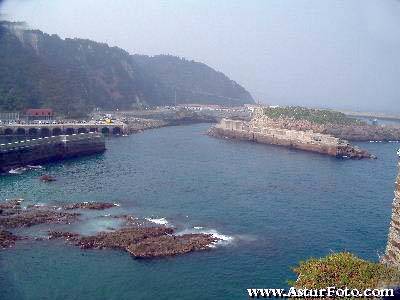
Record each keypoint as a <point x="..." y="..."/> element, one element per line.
<point x="193" y="80"/>
<point x="73" y="76"/>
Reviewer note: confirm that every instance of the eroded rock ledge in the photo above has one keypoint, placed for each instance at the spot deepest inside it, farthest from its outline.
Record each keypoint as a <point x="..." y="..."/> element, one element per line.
<point x="141" y="241"/>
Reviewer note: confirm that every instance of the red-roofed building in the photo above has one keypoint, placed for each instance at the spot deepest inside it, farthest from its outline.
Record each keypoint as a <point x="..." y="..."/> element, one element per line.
<point x="39" y="114"/>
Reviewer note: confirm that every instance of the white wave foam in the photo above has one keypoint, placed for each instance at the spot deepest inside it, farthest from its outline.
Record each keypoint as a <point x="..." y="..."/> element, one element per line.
<point x="17" y="171"/>
<point x="222" y="238"/>
<point x="159" y="221"/>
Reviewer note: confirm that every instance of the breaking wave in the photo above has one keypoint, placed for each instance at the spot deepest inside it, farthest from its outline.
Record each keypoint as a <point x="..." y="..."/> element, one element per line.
<point x="223" y="239"/>
<point x="159" y="221"/>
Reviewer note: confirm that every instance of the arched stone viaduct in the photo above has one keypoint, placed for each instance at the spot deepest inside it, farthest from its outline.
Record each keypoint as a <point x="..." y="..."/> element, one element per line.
<point x="61" y="129"/>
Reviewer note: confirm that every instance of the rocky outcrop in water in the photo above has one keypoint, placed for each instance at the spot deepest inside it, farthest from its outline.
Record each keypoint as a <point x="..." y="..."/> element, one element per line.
<point x="392" y="254"/>
<point x="138" y="237"/>
<point x="141" y="242"/>
<point x="169" y="245"/>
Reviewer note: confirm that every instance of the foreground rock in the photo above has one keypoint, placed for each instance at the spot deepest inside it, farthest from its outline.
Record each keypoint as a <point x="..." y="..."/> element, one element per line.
<point x="7" y="239"/>
<point x="141" y="242"/>
<point x="90" y="205"/>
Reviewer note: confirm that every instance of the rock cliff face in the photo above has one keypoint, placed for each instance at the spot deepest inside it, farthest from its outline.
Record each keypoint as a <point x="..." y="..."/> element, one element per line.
<point x="392" y="254"/>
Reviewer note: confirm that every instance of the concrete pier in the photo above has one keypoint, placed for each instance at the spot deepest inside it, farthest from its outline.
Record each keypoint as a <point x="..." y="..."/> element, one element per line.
<point x="49" y="149"/>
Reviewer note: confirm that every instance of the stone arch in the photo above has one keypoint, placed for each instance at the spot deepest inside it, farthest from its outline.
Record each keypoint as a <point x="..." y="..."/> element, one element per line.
<point x="33" y="132"/>
<point x="69" y="131"/>
<point x="117" y="130"/>
<point x="57" y="131"/>
<point x="82" y="130"/>
<point x="20" y="131"/>
<point x="8" y="131"/>
<point x="105" y="130"/>
<point x="45" y="131"/>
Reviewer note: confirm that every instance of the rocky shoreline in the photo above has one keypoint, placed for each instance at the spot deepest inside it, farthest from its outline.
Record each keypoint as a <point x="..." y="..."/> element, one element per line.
<point x="140" y="241"/>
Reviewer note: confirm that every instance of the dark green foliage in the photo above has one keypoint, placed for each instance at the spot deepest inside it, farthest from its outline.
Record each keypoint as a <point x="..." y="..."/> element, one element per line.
<point x="318" y="116"/>
<point x="73" y="76"/>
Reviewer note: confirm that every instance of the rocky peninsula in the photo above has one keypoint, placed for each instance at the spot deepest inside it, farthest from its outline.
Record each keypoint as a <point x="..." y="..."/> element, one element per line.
<point x="136" y="237"/>
<point x="328" y="122"/>
<point x="263" y="128"/>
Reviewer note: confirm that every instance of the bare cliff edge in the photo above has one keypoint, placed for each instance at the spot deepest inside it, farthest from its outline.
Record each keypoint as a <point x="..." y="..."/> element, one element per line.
<point x="260" y="131"/>
<point x="392" y="254"/>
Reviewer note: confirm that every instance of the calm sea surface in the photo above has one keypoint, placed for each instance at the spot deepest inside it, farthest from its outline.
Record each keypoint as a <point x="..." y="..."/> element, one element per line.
<point x="280" y="206"/>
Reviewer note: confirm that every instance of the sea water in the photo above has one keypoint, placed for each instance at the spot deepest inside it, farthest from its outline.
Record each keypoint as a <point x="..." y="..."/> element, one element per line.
<point x="271" y="206"/>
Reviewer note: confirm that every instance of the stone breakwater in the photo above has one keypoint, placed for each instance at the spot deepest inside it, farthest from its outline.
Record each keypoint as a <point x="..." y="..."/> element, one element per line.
<point x="392" y="254"/>
<point x="296" y="139"/>
<point x="135" y="237"/>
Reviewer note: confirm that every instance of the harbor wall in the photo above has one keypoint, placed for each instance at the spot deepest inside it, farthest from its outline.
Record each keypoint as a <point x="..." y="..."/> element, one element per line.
<point x="49" y="149"/>
<point x="392" y="254"/>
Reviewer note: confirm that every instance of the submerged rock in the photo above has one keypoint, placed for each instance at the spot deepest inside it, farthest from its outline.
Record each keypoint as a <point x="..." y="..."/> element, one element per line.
<point x="35" y="217"/>
<point x="141" y="242"/>
<point x="47" y="178"/>
<point x="7" y="239"/>
<point x="90" y="205"/>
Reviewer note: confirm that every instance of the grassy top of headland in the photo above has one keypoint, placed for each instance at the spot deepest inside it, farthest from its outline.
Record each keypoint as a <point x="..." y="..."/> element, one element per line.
<point x="344" y="270"/>
<point x="318" y="116"/>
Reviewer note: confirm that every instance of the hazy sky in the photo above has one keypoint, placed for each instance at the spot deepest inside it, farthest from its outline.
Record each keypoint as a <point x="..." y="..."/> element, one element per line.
<point x="326" y="53"/>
